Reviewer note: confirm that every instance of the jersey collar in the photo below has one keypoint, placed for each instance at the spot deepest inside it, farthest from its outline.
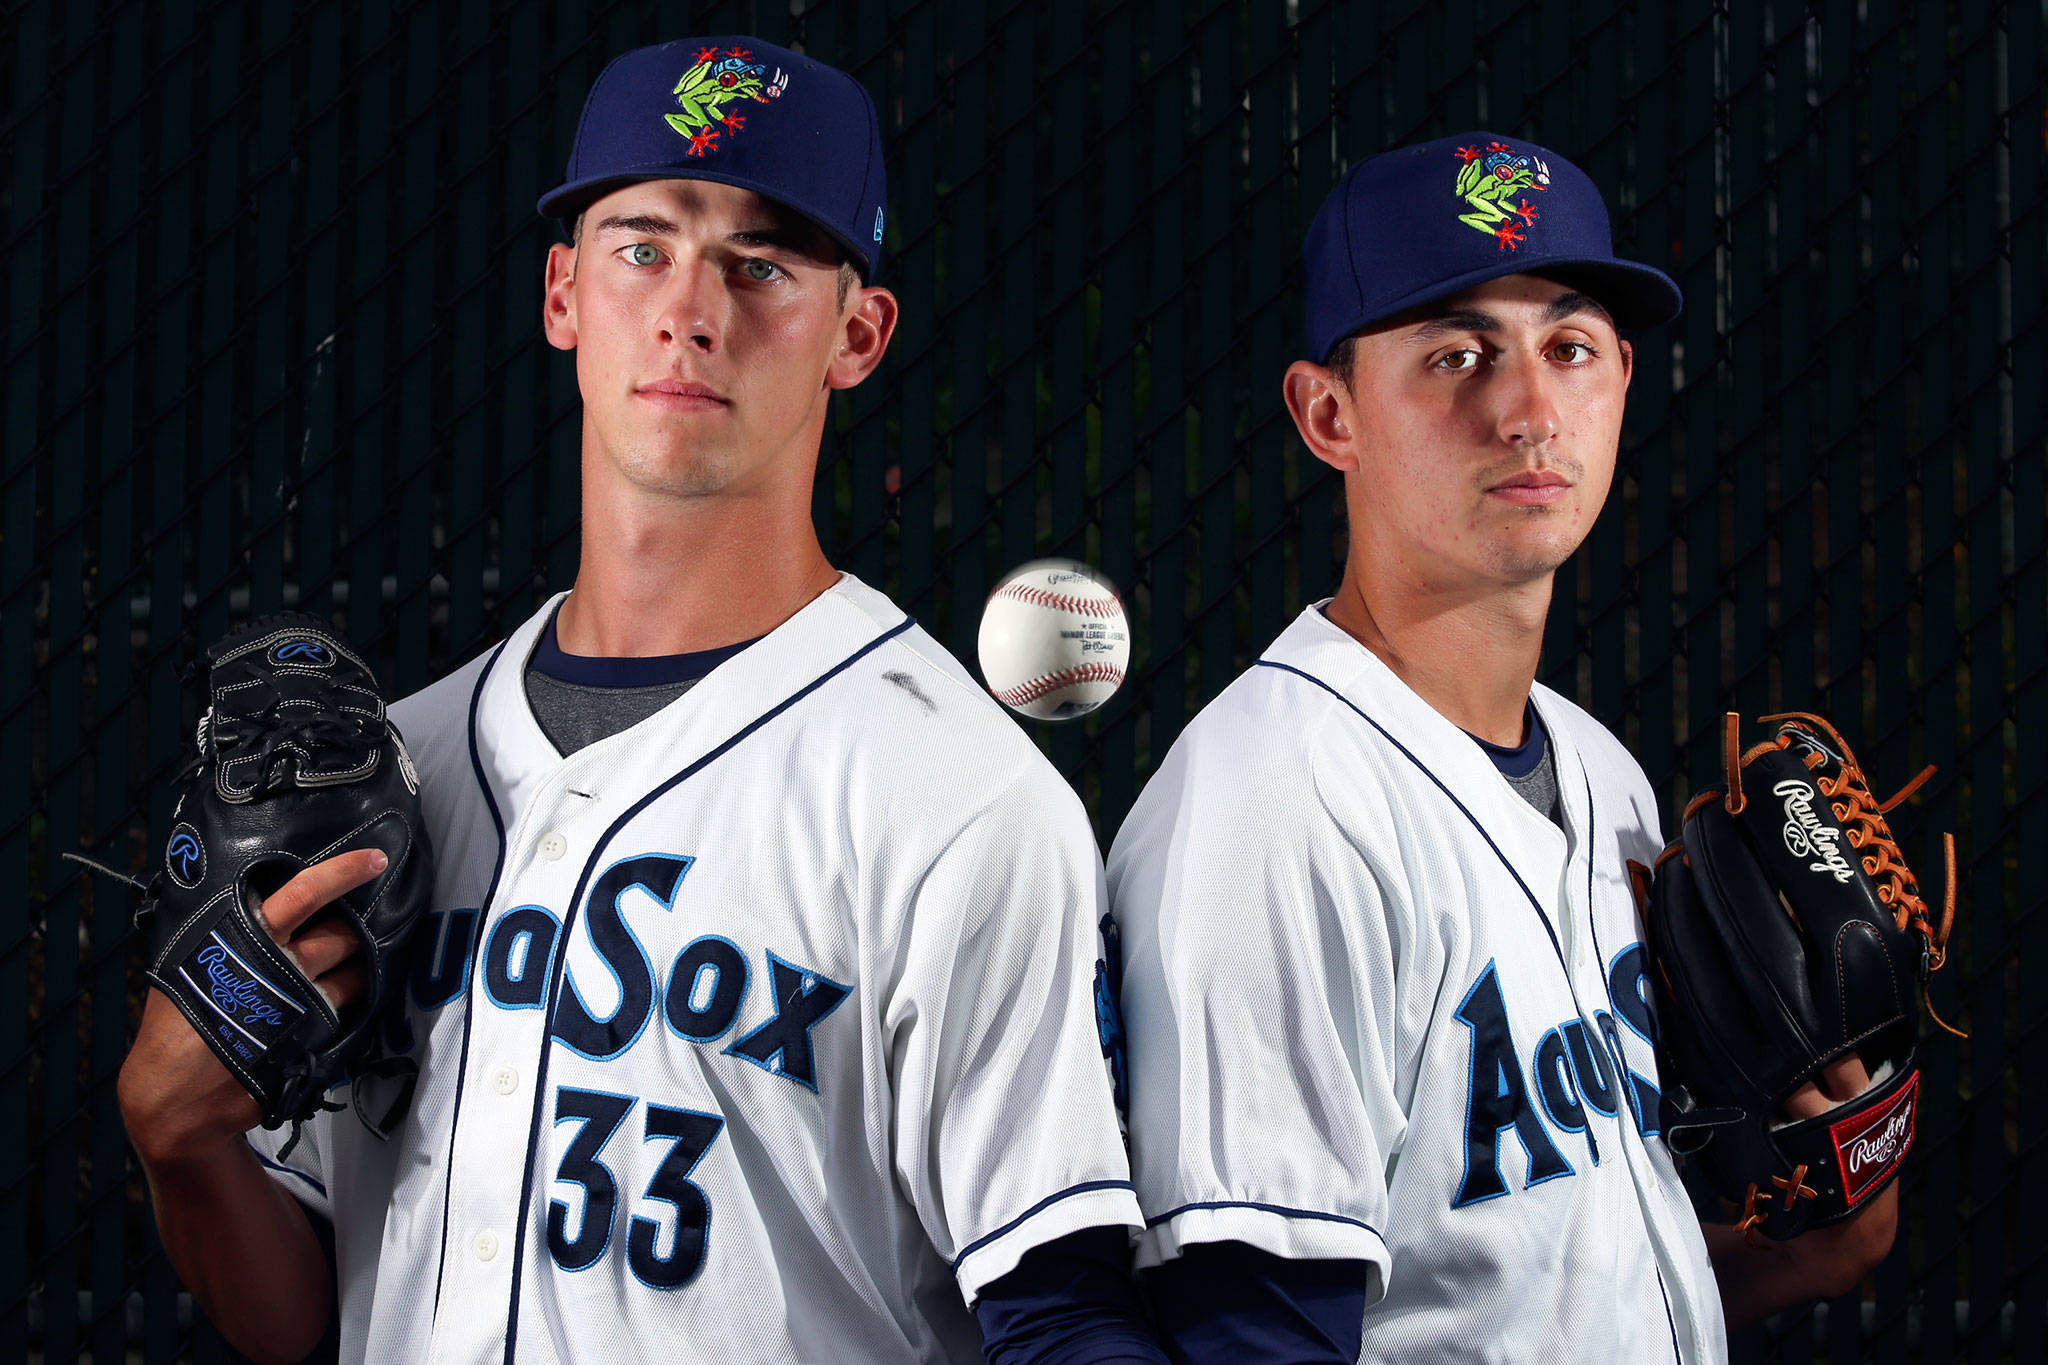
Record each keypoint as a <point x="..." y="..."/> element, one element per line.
<point x="517" y="754"/>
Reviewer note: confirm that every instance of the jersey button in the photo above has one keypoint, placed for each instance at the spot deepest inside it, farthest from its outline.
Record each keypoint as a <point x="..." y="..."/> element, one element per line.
<point x="485" y="1245"/>
<point x="504" y="1079"/>
<point x="553" y="846"/>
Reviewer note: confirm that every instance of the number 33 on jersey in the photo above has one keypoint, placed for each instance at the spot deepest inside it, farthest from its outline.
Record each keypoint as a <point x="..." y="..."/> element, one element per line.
<point x="720" y="1062"/>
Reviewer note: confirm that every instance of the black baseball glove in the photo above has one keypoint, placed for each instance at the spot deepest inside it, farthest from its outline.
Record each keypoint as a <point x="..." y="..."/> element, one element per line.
<point x="1788" y="933"/>
<point x="296" y="763"/>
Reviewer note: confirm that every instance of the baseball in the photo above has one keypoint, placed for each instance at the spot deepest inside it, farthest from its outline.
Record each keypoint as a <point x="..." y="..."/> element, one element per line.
<point x="1054" y="642"/>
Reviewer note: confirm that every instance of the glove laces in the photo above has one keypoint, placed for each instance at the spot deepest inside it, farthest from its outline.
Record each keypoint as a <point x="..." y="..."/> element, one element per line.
<point x="321" y="727"/>
<point x="1793" y="1190"/>
<point x="284" y="739"/>
<point x="1862" y="817"/>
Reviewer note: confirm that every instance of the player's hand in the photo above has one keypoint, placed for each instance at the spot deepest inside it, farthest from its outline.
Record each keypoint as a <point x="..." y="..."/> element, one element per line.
<point x="176" y="1098"/>
<point x="1839" y="1256"/>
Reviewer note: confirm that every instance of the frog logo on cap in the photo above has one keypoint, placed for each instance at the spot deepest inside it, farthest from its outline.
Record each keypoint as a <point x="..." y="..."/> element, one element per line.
<point x="718" y="80"/>
<point x="1492" y="181"/>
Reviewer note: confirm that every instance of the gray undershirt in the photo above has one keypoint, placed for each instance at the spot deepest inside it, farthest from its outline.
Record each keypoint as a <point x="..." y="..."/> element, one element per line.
<point x="1538" y="787"/>
<point x="574" y="717"/>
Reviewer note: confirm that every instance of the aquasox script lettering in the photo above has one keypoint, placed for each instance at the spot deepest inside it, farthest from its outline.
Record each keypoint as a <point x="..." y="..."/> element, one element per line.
<point x="702" y="996"/>
<point x="699" y="995"/>
<point x="236" y="994"/>
<point x="1577" y="1078"/>
<point x="1809" y="836"/>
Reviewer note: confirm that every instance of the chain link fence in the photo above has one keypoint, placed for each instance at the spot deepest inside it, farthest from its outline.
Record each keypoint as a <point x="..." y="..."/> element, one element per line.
<point x="271" y="339"/>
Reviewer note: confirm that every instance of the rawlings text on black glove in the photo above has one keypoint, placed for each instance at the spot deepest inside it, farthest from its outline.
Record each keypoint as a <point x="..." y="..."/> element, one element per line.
<point x="1788" y="932"/>
<point x="296" y="763"/>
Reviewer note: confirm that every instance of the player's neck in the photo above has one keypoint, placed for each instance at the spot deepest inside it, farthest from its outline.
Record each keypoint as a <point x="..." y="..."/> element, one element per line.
<point x="659" y="576"/>
<point x="1471" y="657"/>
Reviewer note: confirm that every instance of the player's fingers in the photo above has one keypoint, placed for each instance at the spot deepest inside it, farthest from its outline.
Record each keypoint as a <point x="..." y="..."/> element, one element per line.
<point x="1844" y="1080"/>
<point x="345" y="985"/>
<point x="313" y="887"/>
<point x="1807" y="1102"/>
<point x="324" y="943"/>
<point x="1837" y="1083"/>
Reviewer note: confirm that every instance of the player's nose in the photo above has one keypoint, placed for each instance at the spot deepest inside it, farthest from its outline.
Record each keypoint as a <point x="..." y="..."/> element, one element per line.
<point x="691" y="312"/>
<point x="1528" y="406"/>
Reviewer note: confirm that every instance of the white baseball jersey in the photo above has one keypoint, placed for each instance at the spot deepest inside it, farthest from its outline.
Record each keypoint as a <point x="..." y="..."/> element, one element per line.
<point x="764" y="1030"/>
<point x="1378" y="1008"/>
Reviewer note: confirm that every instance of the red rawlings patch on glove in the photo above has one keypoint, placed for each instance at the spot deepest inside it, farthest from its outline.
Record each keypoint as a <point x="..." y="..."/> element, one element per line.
<point x="1869" y="1146"/>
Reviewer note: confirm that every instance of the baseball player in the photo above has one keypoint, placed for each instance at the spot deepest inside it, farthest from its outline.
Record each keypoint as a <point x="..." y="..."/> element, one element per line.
<point x="1393" y="1088"/>
<point x="755" y="1012"/>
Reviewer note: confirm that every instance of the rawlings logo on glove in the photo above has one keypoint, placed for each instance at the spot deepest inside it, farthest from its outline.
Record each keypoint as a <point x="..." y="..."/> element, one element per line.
<point x="1787" y="937"/>
<point x="1809" y="836"/>
<point x="296" y="763"/>
<point x="1871" y="1144"/>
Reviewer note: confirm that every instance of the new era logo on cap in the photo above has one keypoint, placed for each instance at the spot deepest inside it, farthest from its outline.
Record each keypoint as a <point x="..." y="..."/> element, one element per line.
<point x="739" y="111"/>
<point x="1421" y="223"/>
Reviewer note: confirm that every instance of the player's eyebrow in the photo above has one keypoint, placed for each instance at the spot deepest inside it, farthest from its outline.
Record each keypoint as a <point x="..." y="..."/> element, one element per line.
<point x="1566" y="305"/>
<point x="1455" y="320"/>
<point x="645" y="224"/>
<point x="767" y="234"/>
<point x="794" y="239"/>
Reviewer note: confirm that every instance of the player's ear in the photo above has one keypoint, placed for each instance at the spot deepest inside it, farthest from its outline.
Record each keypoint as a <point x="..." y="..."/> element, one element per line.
<point x="558" y="298"/>
<point x="1321" y="407"/>
<point x="864" y="332"/>
<point x="1628" y="361"/>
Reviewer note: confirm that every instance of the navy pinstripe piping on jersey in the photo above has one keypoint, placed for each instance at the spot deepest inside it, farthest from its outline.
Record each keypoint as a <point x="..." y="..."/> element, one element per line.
<point x="1085" y="1187"/>
<point x="1533" y="902"/>
<point x="279" y="1166"/>
<point x="1592" y="919"/>
<point x="540" y="1080"/>
<point x="1423" y="768"/>
<point x="1281" y="1209"/>
<point x="483" y="783"/>
<point x="1677" y="1353"/>
<point x="1623" y="1082"/>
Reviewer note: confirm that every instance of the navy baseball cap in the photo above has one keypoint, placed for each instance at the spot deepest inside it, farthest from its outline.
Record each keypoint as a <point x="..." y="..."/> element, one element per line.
<point x="1421" y="223"/>
<point x="741" y="112"/>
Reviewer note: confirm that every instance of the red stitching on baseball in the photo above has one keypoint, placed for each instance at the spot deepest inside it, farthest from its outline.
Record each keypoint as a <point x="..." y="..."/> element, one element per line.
<point x="1031" y="691"/>
<point x="1080" y="606"/>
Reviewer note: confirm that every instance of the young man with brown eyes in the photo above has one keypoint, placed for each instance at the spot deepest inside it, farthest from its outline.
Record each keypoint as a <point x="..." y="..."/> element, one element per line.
<point x="1394" y="1092"/>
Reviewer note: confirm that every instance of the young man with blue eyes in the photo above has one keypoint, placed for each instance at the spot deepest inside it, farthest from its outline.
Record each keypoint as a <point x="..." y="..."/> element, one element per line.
<point x="1393" y="1090"/>
<point x="740" y="877"/>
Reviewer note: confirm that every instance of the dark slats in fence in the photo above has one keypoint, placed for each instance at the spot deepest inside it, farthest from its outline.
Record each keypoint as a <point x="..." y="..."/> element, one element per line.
<point x="272" y="337"/>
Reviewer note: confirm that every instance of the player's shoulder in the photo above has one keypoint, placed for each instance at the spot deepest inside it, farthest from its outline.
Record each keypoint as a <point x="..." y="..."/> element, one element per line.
<point x="434" y="721"/>
<point x="1257" y="760"/>
<point x="1307" y="704"/>
<point x="910" y="717"/>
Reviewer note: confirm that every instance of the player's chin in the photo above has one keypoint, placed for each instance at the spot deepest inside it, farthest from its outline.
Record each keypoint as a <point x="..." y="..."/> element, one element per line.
<point x="669" y="470"/>
<point x="1536" y="547"/>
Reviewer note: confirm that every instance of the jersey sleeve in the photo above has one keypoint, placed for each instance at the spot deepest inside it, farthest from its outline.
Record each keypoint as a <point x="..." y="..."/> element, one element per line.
<point x="303" y="1170"/>
<point x="1261" y="1010"/>
<point x="1006" y="1134"/>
